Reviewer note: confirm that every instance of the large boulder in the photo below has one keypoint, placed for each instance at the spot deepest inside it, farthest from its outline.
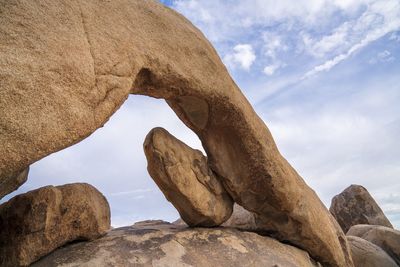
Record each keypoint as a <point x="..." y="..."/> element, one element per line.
<point x="183" y="175"/>
<point x="161" y="244"/>
<point x="10" y="184"/>
<point x="366" y="254"/>
<point x="35" y="223"/>
<point x="356" y="206"/>
<point x="67" y="66"/>
<point x="386" y="238"/>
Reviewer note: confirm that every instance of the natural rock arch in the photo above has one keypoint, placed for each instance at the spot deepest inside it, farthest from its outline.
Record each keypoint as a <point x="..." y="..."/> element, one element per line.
<point x="67" y="66"/>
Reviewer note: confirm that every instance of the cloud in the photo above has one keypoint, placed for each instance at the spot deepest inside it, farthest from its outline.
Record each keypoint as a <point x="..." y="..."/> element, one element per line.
<point x="270" y="69"/>
<point x="243" y="55"/>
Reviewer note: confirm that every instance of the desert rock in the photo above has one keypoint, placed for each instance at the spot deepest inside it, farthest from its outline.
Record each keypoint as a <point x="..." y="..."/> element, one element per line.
<point x="384" y="237"/>
<point x="162" y="244"/>
<point x="87" y="56"/>
<point x="34" y="224"/>
<point x="366" y="254"/>
<point x="183" y="175"/>
<point x="241" y="219"/>
<point x="10" y="184"/>
<point x="356" y="206"/>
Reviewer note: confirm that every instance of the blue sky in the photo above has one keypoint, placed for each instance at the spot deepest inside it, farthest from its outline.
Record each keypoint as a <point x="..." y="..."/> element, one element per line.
<point x="323" y="75"/>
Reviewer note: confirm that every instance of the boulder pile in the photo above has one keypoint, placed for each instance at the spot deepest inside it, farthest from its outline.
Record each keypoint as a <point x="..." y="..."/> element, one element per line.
<point x="67" y="66"/>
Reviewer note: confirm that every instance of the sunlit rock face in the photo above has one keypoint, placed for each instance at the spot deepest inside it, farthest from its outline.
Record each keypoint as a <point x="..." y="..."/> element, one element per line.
<point x="35" y="223"/>
<point x="183" y="175"/>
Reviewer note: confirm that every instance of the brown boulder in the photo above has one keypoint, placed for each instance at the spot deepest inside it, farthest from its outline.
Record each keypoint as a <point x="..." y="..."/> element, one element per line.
<point x="356" y="206"/>
<point x="366" y="254"/>
<point x="384" y="237"/>
<point x="34" y="224"/>
<point x="183" y="175"/>
<point x="161" y="244"/>
<point x="87" y="56"/>
<point x="10" y="184"/>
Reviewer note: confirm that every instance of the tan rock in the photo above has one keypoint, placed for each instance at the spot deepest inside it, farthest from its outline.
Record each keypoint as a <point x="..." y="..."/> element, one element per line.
<point x="183" y="176"/>
<point x="356" y="206"/>
<point x="10" y="184"/>
<point x="242" y="219"/>
<point x="162" y="244"/>
<point x="87" y="56"/>
<point x="34" y="224"/>
<point x="384" y="237"/>
<point x="366" y="254"/>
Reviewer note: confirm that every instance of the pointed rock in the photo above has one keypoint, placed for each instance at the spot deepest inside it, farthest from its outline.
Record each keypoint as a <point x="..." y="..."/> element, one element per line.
<point x="183" y="176"/>
<point x="356" y="206"/>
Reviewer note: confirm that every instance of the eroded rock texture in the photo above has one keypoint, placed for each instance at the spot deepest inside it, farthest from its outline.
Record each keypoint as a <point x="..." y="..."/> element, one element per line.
<point x="67" y="66"/>
<point x="183" y="175"/>
<point x="384" y="237"/>
<point x="160" y="244"/>
<point x="356" y="206"/>
<point x="34" y="224"/>
<point x="10" y="184"/>
<point x="366" y="254"/>
<point x="242" y="219"/>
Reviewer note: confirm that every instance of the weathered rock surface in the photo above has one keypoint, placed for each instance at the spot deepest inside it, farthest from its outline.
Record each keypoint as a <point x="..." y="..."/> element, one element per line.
<point x="183" y="175"/>
<point x="384" y="237"/>
<point x="162" y="244"/>
<point x="366" y="254"/>
<point x="356" y="206"/>
<point x="10" y="184"/>
<point x="241" y="219"/>
<point x="87" y="56"/>
<point x="34" y="224"/>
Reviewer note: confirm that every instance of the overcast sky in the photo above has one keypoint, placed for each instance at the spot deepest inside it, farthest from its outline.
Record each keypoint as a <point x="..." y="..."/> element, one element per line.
<point x="323" y="74"/>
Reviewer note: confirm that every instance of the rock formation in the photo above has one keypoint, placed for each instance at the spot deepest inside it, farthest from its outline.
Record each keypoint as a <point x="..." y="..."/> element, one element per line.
<point x="384" y="237"/>
<point x="10" y="184"/>
<point x="162" y="244"/>
<point x="34" y="224"/>
<point x="87" y="56"/>
<point x="183" y="176"/>
<point x="366" y="254"/>
<point x="356" y="206"/>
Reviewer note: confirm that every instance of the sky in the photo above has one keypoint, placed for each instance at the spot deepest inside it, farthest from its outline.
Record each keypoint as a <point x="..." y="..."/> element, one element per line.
<point x="324" y="75"/>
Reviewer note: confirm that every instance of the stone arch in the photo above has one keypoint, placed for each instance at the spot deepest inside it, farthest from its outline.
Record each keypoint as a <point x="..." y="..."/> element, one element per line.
<point x="66" y="67"/>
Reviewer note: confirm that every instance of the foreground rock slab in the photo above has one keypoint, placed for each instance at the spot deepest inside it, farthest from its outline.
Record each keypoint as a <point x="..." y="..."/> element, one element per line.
<point x="356" y="206"/>
<point x="87" y="56"/>
<point x="366" y="254"/>
<point x="157" y="244"/>
<point x="34" y="224"/>
<point x="384" y="237"/>
<point x="183" y="175"/>
<point x="10" y="184"/>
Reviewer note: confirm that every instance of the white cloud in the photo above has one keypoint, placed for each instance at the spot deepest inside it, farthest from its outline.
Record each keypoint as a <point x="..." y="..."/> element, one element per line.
<point x="395" y="37"/>
<point x="270" y="69"/>
<point x="243" y="55"/>
<point x="273" y="43"/>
